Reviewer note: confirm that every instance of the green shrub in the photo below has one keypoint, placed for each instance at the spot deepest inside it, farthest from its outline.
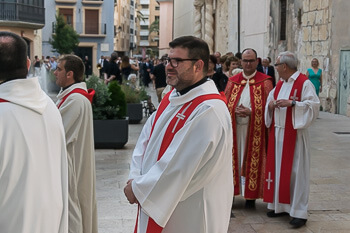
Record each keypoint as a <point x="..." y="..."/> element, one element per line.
<point x="133" y="95"/>
<point x="117" y="98"/>
<point x="104" y="104"/>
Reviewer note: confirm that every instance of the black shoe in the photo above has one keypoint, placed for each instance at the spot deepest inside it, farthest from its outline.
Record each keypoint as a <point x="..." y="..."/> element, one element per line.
<point x="250" y="204"/>
<point x="298" y="222"/>
<point x="272" y="214"/>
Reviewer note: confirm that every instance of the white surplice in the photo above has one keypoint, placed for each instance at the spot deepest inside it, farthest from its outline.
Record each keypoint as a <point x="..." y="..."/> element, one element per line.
<point x="33" y="161"/>
<point x="77" y="119"/>
<point x="190" y="188"/>
<point x="242" y="126"/>
<point x="304" y="113"/>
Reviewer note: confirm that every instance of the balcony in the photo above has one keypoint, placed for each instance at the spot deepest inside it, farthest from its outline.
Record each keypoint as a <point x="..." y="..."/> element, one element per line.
<point x="24" y="15"/>
<point x="96" y="2"/>
<point x="91" y="30"/>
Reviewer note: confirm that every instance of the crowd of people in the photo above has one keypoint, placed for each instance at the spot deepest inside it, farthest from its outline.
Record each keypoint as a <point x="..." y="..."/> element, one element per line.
<point x="225" y="128"/>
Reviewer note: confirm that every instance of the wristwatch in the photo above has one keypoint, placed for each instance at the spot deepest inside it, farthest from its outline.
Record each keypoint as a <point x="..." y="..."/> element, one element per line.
<point x="293" y="103"/>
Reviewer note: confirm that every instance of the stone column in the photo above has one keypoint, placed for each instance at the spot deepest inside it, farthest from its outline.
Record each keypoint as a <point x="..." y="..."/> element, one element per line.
<point x="209" y="25"/>
<point x="198" y="4"/>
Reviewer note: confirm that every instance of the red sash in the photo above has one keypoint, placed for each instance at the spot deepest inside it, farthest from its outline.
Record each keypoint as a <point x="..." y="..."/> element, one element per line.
<point x="288" y="149"/>
<point x="175" y="125"/>
<point x="3" y="101"/>
<point x="88" y="94"/>
<point x="256" y="140"/>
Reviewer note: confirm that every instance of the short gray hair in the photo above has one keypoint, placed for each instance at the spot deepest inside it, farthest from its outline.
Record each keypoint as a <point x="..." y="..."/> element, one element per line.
<point x="290" y="59"/>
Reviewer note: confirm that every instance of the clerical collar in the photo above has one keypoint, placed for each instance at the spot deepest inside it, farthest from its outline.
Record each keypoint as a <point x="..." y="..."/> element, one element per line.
<point x="187" y="89"/>
<point x="248" y="76"/>
<point x="65" y="88"/>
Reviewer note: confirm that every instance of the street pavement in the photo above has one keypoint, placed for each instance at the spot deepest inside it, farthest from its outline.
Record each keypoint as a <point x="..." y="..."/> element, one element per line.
<point x="329" y="201"/>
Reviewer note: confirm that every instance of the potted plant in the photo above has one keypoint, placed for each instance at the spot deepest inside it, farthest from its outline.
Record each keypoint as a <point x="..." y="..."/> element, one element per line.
<point x="111" y="127"/>
<point x="134" y="97"/>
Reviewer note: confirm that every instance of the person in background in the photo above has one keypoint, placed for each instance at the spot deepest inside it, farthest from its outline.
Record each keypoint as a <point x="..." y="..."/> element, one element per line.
<point x="315" y="75"/>
<point x="127" y="68"/>
<point x="292" y="106"/>
<point x="158" y="76"/>
<point x="53" y="63"/>
<point x="219" y="78"/>
<point x="88" y="67"/>
<point x="33" y="156"/>
<point x="232" y="63"/>
<point x="113" y="71"/>
<point x="267" y="69"/>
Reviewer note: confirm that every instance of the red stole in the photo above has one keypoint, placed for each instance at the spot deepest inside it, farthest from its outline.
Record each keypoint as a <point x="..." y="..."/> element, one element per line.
<point x="174" y="126"/>
<point x="256" y="139"/>
<point x="288" y="149"/>
<point x="88" y="94"/>
<point x="3" y="101"/>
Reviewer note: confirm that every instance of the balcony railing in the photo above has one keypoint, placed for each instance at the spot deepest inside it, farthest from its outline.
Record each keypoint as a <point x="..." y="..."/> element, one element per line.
<point x="22" y="12"/>
<point x="96" y="29"/>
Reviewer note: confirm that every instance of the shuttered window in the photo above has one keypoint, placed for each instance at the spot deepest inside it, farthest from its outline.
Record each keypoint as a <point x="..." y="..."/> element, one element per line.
<point x="91" y="22"/>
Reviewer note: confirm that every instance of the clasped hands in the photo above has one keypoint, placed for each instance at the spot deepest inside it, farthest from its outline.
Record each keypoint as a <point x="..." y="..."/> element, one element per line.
<point x="129" y="193"/>
<point x="243" y="111"/>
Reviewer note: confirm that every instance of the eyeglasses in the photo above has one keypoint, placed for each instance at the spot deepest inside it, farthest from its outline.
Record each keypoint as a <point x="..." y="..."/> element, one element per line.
<point x="174" y="62"/>
<point x="250" y="61"/>
<point x="277" y="64"/>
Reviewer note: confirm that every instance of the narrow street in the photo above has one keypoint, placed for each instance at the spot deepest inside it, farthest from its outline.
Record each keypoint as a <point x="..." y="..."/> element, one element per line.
<point x="329" y="205"/>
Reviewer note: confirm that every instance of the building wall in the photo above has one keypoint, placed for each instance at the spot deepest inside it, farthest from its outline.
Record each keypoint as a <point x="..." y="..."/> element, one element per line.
<point x="100" y="44"/>
<point x="183" y="18"/>
<point x="165" y="26"/>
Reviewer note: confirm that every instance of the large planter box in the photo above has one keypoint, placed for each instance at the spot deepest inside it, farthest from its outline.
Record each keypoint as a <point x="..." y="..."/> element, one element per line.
<point x="134" y="112"/>
<point x="111" y="134"/>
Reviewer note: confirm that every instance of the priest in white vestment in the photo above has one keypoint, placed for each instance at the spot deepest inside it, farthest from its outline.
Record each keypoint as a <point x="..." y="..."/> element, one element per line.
<point x="186" y="186"/>
<point x="293" y="101"/>
<point x="74" y="103"/>
<point x="33" y="157"/>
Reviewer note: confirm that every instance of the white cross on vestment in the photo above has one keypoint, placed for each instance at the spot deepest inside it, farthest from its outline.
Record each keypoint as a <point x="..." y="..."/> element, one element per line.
<point x="269" y="181"/>
<point x="294" y="97"/>
<point x="180" y="116"/>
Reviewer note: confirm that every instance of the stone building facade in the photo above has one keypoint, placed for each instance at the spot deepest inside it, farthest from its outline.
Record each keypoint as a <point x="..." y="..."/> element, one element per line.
<point x="309" y="28"/>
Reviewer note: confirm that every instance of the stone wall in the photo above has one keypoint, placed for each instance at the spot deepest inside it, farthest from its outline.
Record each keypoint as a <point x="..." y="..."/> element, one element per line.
<point x="316" y="23"/>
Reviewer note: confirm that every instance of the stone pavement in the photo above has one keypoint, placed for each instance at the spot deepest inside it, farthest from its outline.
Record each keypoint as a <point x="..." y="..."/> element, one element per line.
<point x="329" y="202"/>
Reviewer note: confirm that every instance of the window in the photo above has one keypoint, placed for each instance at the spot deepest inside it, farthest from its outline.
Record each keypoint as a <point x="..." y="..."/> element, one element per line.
<point x="144" y="6"/>
<point x="131" y="31"/>
<point x="157" y="8"/>
<point x="143" y="37"/>
<point x="131" y="17"/>
<point x="144" y="27"/>
<point x="156" y="18"/>
<point x="283" y="9"/>
<point x="67" y="15"/>
<point x="91" y="21"/>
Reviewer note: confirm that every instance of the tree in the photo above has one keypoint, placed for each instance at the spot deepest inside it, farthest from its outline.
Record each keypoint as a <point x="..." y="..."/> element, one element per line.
<point x="154" y="27"/>
<point x="140" y="16"/>
<point x="65" y="39"/>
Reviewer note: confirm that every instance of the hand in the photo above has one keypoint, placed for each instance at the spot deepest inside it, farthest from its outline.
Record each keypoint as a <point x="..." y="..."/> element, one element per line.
<point x="243" y="111"/>
<point x="283" y="103"/>
<point x="129" y="193"/>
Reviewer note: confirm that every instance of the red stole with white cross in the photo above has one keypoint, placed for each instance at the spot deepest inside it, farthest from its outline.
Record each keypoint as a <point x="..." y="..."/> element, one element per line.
<point x="89" y="94"/>
<point x="289" y="141"/>
<point x="174" y="126"/>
